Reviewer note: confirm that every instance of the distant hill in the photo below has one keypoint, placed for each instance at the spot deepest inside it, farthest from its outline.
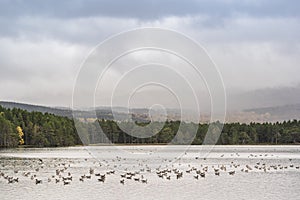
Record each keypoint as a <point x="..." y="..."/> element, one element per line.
<point x="43" y="109"/>
<point x="265" y="114"/>
<point x="278" y="113"/>
<point x="101" y="113"/>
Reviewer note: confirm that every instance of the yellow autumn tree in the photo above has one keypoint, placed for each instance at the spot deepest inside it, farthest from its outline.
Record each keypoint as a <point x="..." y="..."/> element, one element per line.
<point x="21" y="134"/>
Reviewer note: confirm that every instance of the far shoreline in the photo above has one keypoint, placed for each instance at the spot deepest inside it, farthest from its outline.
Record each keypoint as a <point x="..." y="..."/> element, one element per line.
<point x="154" y="144"/>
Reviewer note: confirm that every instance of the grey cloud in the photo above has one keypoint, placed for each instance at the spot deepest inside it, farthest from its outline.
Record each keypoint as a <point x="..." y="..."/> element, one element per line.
<point x="254" y="41"/>
<point x="91" y="21"/>
<point x="145" y="9"/>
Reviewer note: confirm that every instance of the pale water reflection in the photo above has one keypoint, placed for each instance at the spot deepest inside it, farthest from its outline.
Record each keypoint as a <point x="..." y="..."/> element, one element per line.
<point x="144" y="172"/>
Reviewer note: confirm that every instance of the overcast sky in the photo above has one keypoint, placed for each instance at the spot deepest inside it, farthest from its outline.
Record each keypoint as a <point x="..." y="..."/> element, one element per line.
<point x="255" y="43"/>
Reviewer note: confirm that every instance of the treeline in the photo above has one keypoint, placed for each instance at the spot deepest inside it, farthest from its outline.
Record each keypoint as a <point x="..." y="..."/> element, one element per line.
<point x="287" y="132"/>
<point x="47" y="130"/>
<point x="39" y="130"/>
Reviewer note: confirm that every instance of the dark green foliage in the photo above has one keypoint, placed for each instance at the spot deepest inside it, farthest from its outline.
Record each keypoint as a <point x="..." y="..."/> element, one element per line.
<point x="40" y="130"/>
<point x="8" y="136"/>
<point x="48" y="130"/>
<point x="232" y="133"/>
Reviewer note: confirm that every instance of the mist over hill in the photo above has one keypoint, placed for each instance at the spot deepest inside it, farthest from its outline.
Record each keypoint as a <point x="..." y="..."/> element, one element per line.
<point x="263" y="98"/>
<point x="263" y="114"/>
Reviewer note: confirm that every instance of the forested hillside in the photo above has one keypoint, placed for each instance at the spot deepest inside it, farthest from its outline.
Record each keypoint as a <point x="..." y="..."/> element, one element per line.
<point x="38" y="129"/>
<point x="20" y="127"/>
<point x="287" y="132"/>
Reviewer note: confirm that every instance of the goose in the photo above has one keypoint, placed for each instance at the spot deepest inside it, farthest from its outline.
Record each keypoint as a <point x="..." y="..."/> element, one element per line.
<point x="26" y="174"/>
<point x="144" y="181"/>
<point x="248" y="167"/>
<point x="91" y="171"/>
<point x="129" y="177"/>
<point x="179" y="175"/>
<point x="67" y="178"/>
<point x="202" y="174"/>
<point x="205" y="168"/>
<point x="103" y="176"/>
<point x="88" y="177"/>
<point x="160" y="175"/>
<point x="231" y="172"/>
<point x="216" y="169"/>
<point x="67" y="182"/>
<point x="38" y="181"/>
<point x="10" y="181"/>
<point x="101" y="180"/>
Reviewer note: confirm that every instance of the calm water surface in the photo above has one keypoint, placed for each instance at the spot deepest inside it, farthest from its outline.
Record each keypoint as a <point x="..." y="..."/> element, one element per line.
<point x="260" y="172"/>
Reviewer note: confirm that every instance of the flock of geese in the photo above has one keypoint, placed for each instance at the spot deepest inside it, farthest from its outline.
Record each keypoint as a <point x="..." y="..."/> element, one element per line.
<point x="63" y="174"/>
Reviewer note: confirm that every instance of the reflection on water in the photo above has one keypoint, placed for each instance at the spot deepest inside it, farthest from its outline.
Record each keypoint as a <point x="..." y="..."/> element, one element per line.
<point x="151" y="172"/>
